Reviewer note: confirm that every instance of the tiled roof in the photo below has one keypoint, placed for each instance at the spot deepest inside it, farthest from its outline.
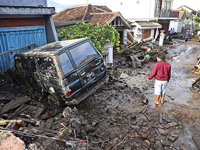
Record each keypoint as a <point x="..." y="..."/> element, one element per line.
<point x="176" y="10"/>
<point x="181" y="13"/>
<point x="186" y="7"/>
<point x="91" y="13"/>
<point x="148" y="24"/>
<point x="101" y="18"/>
<point x="71" y="13"/>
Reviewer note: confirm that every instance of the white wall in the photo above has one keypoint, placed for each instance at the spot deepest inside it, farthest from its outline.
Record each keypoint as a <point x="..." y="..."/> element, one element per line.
<point x="125" y="36"/>
<point x="131" y="9"/>
<point x="138" y="34"/>
<point x="176" y="25"/>
<point x="172" y="25"/>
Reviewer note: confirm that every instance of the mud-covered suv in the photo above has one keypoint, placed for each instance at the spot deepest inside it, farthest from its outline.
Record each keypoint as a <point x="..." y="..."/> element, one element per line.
<point x="68" y="71"/>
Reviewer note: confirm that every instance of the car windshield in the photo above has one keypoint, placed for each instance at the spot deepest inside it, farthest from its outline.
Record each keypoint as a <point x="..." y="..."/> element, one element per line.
<point x="83" y="53"/>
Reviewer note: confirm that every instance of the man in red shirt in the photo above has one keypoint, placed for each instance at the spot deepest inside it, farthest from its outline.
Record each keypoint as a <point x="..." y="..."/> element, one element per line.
<point x="162" y="73"/>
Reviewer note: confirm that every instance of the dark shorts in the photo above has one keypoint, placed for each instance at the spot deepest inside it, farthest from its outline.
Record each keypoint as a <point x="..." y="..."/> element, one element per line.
<point x="186" y="39"/>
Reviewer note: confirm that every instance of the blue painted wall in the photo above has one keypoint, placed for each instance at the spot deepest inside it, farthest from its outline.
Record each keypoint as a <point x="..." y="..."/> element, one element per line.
<point x="15" y="37"/>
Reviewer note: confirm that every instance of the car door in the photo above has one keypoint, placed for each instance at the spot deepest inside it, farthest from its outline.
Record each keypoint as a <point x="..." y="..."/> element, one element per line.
<point x="89" y="64"/>
<point x="71" y="78"/>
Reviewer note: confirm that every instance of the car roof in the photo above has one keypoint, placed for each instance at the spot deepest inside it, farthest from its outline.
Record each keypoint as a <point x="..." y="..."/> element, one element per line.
<point x="52" y="48"/>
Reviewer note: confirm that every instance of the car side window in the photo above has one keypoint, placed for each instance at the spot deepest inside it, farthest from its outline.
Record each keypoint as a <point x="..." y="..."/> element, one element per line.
<point x="83" y="53"/>
<point x="65" y="63"/>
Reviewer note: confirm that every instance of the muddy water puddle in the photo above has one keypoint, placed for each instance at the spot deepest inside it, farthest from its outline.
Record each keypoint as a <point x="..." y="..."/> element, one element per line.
<point x="183" y="58"/>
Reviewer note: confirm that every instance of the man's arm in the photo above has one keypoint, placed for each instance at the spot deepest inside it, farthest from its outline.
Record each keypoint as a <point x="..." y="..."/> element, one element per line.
<point x="169" y="73"/>
<point x="153" y="72"/>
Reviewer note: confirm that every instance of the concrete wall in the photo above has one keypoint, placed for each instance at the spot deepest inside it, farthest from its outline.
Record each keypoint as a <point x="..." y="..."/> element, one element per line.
<point x="152" y="8"/>
<point x="50" y="29"/>
<point x="173" y="24"/>
<point x="24" y="3"/>
<point x="152" y="33"/>
<point x="138" y="34"/>
<point x="125" y="36"/>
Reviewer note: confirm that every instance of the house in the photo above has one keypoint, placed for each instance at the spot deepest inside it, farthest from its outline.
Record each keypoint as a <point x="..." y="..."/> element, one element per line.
<point x="187" y="9"/>
<point x="159" y="11"/>
<point x="164" y="14"/>
<point x="144" y="30"/>
<point x="177" y="24"/>
<point x="24" y="24"/>
<point x="95" y="14"/>
<point x="190" y="13"/>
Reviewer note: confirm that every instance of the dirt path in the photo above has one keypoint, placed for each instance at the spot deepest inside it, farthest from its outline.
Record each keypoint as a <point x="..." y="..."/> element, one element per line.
<point x="182" y="101"/>
<point x="116" y="116"/>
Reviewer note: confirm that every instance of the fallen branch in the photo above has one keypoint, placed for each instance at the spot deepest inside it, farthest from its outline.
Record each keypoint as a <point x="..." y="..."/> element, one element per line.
<point x="128" y="48"/>
<point x="120" y="142"/>
<point x="5" y="122"/>
<point x="100" y="141"/>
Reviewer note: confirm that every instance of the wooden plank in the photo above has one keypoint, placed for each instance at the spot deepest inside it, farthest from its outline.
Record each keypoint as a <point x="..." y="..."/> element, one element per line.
<point x="47" y="130"/>
<point x="196" y="140"/>
<point x="146" y="33"/>
<point x="48" y="123"/>
<point x="16" y="49"/>
<point x="15" y="103"/>
<point x="38" y="113"/>
<point x="19" y="110"/>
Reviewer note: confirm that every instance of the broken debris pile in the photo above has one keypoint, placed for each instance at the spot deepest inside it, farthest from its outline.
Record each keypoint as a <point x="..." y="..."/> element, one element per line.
<point x="196" y="82"/>
<point x="119" y="120"/>
<point x="136" y="54"/>
<point x="195" y="37"/>
<point x="127" y="127"/>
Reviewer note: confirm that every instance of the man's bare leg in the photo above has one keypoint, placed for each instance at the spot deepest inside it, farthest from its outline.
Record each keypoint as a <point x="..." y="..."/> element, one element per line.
<point x="162" y="99"/>
<point x="157" y="99"/>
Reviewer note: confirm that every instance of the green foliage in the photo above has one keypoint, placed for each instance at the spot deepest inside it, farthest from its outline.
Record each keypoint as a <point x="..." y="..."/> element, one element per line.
<point x="194" y="23"/>
<point x="187" y="21"/>
<point x="98" y="34"/>
<point x="182" y="9"/>
<point x="195" y="17"/>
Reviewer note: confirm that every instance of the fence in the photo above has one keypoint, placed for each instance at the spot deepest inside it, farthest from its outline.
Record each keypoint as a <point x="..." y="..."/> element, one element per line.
<point x="189" y="27"/>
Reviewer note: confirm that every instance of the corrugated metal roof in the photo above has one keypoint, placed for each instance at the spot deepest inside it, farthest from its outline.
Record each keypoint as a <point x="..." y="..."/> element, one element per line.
<point x="148" y="24"/>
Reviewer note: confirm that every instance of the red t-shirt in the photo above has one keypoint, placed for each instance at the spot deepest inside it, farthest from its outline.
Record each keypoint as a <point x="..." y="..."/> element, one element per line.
<point x="161" y="71"/>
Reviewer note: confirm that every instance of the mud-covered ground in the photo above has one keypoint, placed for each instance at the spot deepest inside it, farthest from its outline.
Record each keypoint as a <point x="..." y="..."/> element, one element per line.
<point x="122" y="115"/>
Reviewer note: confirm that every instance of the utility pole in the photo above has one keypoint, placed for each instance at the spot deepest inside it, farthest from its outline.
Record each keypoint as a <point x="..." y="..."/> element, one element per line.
<point x="87" y="1"/>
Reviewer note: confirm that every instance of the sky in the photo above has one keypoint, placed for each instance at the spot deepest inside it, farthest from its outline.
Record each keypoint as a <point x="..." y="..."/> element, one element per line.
<point x="128" y="8"/>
